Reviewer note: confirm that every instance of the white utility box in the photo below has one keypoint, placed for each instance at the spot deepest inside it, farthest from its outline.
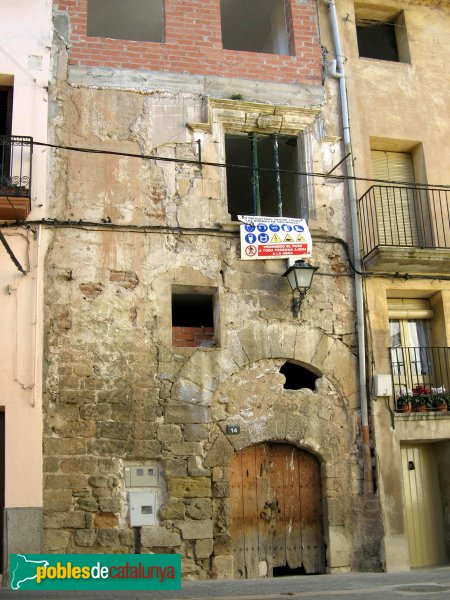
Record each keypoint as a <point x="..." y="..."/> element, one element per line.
<point x="143" y="508"/>
<point x="141" y="476"/>
<point x="382" y="385"/>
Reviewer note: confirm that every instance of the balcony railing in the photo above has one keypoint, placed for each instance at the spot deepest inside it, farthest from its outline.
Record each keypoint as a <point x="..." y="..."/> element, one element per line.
<point x="421" y="378"/>
<point x="404" y="217"/>
<point x="15" y="176"/>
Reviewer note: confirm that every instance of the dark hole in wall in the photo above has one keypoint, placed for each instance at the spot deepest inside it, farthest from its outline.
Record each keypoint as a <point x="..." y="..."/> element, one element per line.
<point x="297" y="377"/>
<point x="378" y="41"/>
<point x="192" y="310"/>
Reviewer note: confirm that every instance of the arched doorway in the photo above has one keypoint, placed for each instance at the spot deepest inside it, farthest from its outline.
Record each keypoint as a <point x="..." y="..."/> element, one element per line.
<point x="276" y="511"/>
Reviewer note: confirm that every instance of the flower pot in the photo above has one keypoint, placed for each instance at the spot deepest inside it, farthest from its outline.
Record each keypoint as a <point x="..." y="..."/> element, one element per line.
<point x="406" y="408"/>
<point x="421" y="408"/>
<point x="442" y="407"/>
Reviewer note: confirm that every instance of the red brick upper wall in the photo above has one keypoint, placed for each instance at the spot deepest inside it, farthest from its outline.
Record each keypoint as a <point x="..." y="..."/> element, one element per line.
<point x="193" y="44"/>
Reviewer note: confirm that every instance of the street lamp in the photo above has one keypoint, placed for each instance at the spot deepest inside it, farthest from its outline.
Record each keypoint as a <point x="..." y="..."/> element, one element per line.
<point x="299" y="276"/>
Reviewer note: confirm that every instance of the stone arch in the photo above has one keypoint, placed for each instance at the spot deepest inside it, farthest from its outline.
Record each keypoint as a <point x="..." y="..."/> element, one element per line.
<point x="304" y="344"/>
<point x="241" y="384"/>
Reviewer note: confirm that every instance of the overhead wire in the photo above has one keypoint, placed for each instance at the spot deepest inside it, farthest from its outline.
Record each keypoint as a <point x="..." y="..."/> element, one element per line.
<point x="202" y="163"/>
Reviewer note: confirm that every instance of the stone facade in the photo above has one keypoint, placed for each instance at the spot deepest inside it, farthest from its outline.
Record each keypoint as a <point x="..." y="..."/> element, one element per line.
<point x="124" y="233"/>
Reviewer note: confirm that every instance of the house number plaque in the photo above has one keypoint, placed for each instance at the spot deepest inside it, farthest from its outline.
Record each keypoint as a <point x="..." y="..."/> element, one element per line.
<point x="233" y="429"/>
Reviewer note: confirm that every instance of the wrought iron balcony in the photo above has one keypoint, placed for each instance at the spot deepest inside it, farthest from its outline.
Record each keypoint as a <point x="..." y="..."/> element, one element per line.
<point x="15" y="177"/>
<point x="401" y="226"/>
<point x="421" y="378"/>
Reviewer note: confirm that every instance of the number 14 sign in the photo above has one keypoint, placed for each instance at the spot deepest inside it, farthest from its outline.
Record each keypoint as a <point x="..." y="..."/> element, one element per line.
<point x="274" y="237"/>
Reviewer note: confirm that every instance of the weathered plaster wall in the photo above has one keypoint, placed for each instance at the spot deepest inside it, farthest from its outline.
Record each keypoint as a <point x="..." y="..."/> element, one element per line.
<point x="117" y="391"/>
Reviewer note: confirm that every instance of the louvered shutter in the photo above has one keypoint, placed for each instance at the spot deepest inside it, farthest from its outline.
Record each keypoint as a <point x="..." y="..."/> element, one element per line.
<point x="396" y="206"/>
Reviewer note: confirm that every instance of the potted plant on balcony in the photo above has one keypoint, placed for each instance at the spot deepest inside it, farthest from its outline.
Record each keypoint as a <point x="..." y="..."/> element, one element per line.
<point x="405" y="402"/>
<point x="10" y="187"/>
<point x="441" y="399"/>
<point x="422" y="399"/>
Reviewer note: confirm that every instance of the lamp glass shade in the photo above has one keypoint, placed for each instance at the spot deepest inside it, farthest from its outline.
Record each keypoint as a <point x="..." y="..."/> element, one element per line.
<point x="300" y="275"/>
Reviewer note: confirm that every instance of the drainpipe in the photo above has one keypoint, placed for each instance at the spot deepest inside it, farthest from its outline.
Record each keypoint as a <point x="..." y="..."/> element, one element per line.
<point x="337" y="71"/>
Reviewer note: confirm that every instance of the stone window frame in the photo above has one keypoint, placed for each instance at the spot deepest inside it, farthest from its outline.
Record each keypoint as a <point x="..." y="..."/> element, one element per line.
<point x="240" y="116"/>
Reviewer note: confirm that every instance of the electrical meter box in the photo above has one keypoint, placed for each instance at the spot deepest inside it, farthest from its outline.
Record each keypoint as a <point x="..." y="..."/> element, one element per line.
<point x="382" y="385"/>
<point x="143" y="508"/>
<point x="141" y="476"/>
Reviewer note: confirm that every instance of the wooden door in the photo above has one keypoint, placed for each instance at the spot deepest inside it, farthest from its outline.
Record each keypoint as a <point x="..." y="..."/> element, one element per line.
<point x="276" y="511"/>
<point x="423" y="506"/>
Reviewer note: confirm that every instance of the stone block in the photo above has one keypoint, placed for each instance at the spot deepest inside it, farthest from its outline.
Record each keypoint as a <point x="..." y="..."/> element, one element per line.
<point x="56" y="481"/>
<point x="186" y="413"/>
<point x="222" y="567"/>
<point x="159" y="537"/>
<point x="173" y="509"/>
<point x="199" y="508"/>
<point x="175" y="467"/>
<point x="147" y="449"/>
<point x="203" y="548"/>
<point x="338" y="548"/>
<point x="186" y="449"/>
<point x="61" y="446"/>
<point x="58" y="500"/>
<point x="189" y="487"/>
<point x="220" y="453"/>
<point x="55" y="540"/>
<point x="80" y="464"/>
<point x="114" y="430"/>
<point x="98" y="481"/>
<point x="59" y="520"/>
<point x="195" y="432"/>
<point x="85" y="537"/>
<point x="107" y="537"/>
<point x="112" y="505"/>
<point x="169" y="433"/>
<point x="222" y="544"/>
<point x="221" y="489"/>
<point x="106" y="520"/>
<point x="51" y="464"/>
<point x="101" y="410"/>
<point x="195" y="467"/>
<point x="195" y="530"/>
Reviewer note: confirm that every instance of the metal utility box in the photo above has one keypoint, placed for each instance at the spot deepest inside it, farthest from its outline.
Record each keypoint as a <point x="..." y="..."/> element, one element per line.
<point x="382" y="385"/>
<point x="143" y="508"/>
<point x="141" y="476"/>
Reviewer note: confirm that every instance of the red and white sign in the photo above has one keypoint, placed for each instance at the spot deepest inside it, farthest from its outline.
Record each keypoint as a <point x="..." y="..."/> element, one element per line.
<point x="274" y="237"/>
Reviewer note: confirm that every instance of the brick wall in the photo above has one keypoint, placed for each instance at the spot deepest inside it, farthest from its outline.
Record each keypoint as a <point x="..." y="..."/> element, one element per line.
<point x="193" y="44"/>
<point x="191" y="336"/>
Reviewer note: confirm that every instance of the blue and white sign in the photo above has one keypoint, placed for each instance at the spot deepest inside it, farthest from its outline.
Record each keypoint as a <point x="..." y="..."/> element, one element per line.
<point x="274" y="237"/>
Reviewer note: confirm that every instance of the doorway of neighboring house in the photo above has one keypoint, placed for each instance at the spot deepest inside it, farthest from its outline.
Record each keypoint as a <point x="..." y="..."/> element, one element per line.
<point x="2" y="482"/>
<point x="397" y="204"/>
<point x="6" y="95"/>
<point x="276" y="507"/>
<point x="423" y="505"/>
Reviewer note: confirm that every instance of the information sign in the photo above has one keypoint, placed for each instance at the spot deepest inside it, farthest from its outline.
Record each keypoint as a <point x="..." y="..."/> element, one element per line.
<point x="274" y="237"/>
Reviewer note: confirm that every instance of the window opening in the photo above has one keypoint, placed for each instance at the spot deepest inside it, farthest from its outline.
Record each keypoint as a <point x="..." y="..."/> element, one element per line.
<point x="6" y="95"/>
<point x="297" y="377"/>
<point x="381" y="36"/>
<point x="255" y="191"/>
<point x="254" y="26"/>
<point x="138" y="20"/>
<point x="192" y="320"/>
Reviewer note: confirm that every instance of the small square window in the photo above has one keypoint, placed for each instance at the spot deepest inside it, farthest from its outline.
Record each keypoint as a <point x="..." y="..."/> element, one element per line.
<point x="254" y="26"/>
<point x="381" y="35"/>
<point x="192" y="319"/>
<point x="138" y="20"/>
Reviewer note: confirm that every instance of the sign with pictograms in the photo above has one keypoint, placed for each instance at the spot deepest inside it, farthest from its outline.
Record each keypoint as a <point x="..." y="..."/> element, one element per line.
<point x="274" y="237"/>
